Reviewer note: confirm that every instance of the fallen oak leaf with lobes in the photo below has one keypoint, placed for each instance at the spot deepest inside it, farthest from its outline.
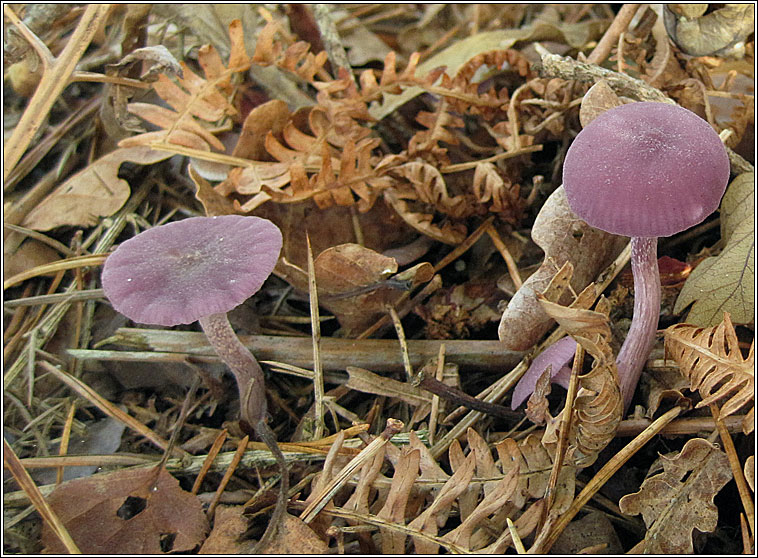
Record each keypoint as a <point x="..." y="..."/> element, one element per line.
<point x="672" y="505"/>
<point x="725" y="283"/>
<point x="131" y="511"/>
<point x="93" y="192"/>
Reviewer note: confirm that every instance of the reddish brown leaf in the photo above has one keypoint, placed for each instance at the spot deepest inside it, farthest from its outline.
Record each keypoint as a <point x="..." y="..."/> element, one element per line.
<point x="131" y="511"/>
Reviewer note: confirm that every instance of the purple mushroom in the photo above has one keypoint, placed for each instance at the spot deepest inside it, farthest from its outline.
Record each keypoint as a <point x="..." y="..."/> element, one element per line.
<point x="197" y="270"/>
<point x="644" y="170"/>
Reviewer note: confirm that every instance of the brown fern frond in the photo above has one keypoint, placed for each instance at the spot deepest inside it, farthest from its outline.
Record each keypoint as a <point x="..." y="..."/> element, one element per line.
<point x="465" y="95"/>
<point x="712" y="361"/>
<point x="197" y="103"/>
<point x="598" y="407"/>
<point x="355" y="181"/>
<point x="499" y="194"/>
<point x="270" y="50"/>
<point x="429" y="144"/>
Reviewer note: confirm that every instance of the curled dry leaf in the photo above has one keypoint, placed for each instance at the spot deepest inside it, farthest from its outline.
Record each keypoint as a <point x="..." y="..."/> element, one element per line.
<point x="131" y="511"/>
<point x="564" y="238"/>
<point x="97" y="191"/>
<point x="598" y="407"/>
<point x="357" y="283"/>
<point x="712" y="361"/>
<point x="750" y="472"/>
<point x="156" y="59"/>
<point x="721" y="32"/>
<point x="726" y="283"/>
<point x="680" y="499"/>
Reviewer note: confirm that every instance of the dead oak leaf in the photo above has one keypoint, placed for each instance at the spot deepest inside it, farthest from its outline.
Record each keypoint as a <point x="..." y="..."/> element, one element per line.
<point x="96" y="191"/>
<point x="725" y="283"/>
<point x="139" y="511"/>
<point x="680" y="499"/>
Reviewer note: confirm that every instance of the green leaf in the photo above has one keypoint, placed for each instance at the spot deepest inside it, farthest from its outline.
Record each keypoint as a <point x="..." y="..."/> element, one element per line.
<point x="726" y="282"/>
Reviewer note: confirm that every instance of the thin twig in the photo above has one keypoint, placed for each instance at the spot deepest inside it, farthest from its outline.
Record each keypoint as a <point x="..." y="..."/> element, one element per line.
<point x="241" y="447"/>
<point x="618" y="26"/>
<point x="737" y="472"/>
<point x="25" y="481"/>
<point x="458" y="397"/>
<point x="510" y="263"/>
<point x="318" y="370"/>
<point x="53" y="81"/>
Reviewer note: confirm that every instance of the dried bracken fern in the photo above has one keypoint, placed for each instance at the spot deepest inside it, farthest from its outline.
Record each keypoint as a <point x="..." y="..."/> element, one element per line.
<point x="199" y="104"/>
<point x="712" y="361"/>
<point x="597" y="409"/>
<point x="273" y="48"/>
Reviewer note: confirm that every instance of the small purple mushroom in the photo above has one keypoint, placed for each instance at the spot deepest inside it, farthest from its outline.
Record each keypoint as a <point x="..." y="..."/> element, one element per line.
<point x="198" y="269"/>
<point x="644" y="170"/>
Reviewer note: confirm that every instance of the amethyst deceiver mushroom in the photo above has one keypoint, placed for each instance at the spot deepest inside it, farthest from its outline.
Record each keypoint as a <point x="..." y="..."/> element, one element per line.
<point x="196" y="270"/>
<point x="644" y="170"/>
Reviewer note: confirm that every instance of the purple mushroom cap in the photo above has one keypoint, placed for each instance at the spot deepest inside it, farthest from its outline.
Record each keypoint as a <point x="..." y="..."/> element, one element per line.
<point x="185" y="270"/>
<point x="646" y="170"/>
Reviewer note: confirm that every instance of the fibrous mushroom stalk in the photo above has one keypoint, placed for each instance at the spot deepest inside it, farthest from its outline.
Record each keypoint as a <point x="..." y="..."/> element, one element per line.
<point x="241" y="362"/>
<point x="647" y="305"/>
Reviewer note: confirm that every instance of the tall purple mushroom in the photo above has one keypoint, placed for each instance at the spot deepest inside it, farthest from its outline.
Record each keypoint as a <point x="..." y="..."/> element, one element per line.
<point x="198" y="269"/>
<point x="644" y="170"/>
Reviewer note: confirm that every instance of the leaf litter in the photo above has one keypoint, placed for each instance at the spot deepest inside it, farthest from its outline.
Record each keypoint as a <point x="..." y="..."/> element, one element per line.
<point x="394" y="160"/>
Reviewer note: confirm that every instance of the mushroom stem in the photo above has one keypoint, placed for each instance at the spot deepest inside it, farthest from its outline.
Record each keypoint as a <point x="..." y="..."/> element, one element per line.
<point x="647" y="307"/>
<point x="242" y="363"/>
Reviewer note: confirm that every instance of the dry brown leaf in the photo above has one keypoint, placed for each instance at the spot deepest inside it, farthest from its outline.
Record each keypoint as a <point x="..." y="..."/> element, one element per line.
<point x="437" y="132"/>
<point x="598" y="99"/>
<point x="359" y="499"/>
<point x="672" y="505"/>
<point x="564" y="237"/>
<point x="499" y="194"/>
<point x="94" y="192"/>
<point x="381" y="227"/>
<point x="666" y="384"/>
<point x="750" y="472"/>
<point x="213" y="202"/>
<point x="131" y="511"/>
<point x="491" y="503"/>
<point x="533" y="461"/>
<point x="295" y="537"/>
<point x="30" y="254"/>
<point x="356" y="283"/>
<point x="537" y="406"/>
<point x="593" y="529"/>
<point x="446" y="232"/>
<point x="712" y="361"/>
<point x="228" y="526"/>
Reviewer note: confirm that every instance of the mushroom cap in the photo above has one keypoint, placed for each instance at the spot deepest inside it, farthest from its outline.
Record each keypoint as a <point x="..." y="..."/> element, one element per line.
<point x="645" y="169"/>
<point x="179" y="272"/>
